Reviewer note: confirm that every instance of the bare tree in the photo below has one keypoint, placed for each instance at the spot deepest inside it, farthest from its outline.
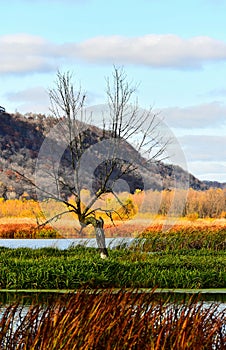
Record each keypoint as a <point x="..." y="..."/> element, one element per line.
<point x="107" y="157"/>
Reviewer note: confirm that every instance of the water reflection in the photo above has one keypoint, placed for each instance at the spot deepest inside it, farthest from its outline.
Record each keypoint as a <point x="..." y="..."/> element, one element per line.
<point x="44" y="297"/>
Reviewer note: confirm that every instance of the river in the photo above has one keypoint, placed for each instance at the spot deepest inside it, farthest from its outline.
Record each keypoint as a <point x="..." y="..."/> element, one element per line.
<point x="62" y="243"/>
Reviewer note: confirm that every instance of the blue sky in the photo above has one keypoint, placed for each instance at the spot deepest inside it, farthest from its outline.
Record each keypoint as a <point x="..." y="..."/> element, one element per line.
<point x="176" y="50"/>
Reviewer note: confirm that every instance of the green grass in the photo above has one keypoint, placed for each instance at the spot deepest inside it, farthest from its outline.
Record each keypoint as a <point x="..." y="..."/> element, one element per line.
<point x="50" y="268"/>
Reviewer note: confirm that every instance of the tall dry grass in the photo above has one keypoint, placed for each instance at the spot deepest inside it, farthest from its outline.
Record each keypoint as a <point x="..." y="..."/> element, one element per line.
<point x="107" y="320"/>
<point x="26" y="230"/>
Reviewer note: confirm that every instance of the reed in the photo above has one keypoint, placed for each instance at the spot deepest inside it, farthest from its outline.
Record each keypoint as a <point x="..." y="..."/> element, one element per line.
<point x="113" y="320"/>
<point x="51" y="268"/>
<point x="26" y="230"/>
<point x="182" y="237"/>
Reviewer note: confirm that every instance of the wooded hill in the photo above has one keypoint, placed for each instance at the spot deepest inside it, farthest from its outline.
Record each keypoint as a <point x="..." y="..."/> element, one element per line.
<point x="21" y="137"/>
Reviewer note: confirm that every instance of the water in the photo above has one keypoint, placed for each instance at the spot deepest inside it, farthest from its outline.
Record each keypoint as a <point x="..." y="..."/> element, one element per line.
<point x="62" y="243"/>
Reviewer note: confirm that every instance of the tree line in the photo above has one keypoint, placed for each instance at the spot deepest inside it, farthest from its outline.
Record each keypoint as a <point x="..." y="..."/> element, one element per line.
<point x="199" y="204"/>
<point x="210" y="203"/>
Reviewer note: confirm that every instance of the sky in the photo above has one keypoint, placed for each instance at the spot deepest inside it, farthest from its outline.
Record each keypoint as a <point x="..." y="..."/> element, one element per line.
<point x="174" y="50"/>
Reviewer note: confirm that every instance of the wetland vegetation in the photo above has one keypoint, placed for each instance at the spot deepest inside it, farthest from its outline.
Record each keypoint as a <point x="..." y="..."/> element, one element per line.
<point x="113" y="320"/>
<point x="181" y="258"/>
<point x="103" y="313"/>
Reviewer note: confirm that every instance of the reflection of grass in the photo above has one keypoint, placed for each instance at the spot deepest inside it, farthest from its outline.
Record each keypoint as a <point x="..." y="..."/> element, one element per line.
<point x="112" y="320"/>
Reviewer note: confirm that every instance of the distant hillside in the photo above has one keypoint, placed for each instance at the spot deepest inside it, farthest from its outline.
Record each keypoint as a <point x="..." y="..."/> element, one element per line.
<point x="214" y="184"/>
<point x="21" y="138"/>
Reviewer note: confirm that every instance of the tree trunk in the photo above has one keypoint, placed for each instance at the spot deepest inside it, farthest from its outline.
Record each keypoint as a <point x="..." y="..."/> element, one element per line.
<point x="98" y="225"/>
<point x="100" y="238"/>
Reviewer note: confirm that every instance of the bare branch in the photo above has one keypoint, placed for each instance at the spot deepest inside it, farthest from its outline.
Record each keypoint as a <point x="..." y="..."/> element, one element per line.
<point x="55" y="218"/>
<point x="126" y="123"/>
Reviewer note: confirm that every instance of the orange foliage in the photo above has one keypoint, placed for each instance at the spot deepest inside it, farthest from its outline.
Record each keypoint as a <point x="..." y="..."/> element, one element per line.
<point x="25" y="230"/>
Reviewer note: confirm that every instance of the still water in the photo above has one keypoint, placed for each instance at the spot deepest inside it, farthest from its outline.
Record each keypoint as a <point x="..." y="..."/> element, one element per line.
<point x="63" y="243"/>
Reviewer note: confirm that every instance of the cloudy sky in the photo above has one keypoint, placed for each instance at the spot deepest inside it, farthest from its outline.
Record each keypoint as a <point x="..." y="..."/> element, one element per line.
<point x="175" y="50"/>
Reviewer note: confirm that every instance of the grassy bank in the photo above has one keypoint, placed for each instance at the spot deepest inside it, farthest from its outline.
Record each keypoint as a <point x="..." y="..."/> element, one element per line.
<point x="183" y="257"/>
<point x="50" y="268"/>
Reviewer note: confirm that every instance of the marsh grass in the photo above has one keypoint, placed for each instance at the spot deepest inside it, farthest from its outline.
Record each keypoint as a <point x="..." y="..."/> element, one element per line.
<point x="67" y="227"/>
<point x="52" y="268"/>
<point x="182" y="237"/>
<point x="180" y="258"/>
<point x="26" y="230"/>
<point x="113" y="320"/>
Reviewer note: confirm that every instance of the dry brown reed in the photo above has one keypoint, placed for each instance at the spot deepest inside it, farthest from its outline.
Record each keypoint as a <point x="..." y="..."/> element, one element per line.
<point x="108" y="320"/>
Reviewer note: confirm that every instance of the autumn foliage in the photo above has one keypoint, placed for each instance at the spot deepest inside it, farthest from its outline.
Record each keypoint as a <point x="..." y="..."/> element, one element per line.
<point x="19" y="208"/>
<point x="126" y="216"/>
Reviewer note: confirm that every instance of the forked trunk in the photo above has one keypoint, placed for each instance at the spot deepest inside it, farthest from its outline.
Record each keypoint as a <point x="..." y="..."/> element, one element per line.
<point x="100" y="238"/>
<point x="98" y="225"/>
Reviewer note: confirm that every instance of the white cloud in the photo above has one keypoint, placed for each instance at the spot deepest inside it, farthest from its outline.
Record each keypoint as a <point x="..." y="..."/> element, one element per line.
<point x="34" y="99"/>
<point x="213" y="171"/>
<point x="34" y="93"/>
<point x="24" y="53"/>
<point x="208" y="168"/>
<point x="153" y="50"/>
<point x="205" y="148"/>
<point x="205" y="156"/>
<point x="198" y="116"/>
